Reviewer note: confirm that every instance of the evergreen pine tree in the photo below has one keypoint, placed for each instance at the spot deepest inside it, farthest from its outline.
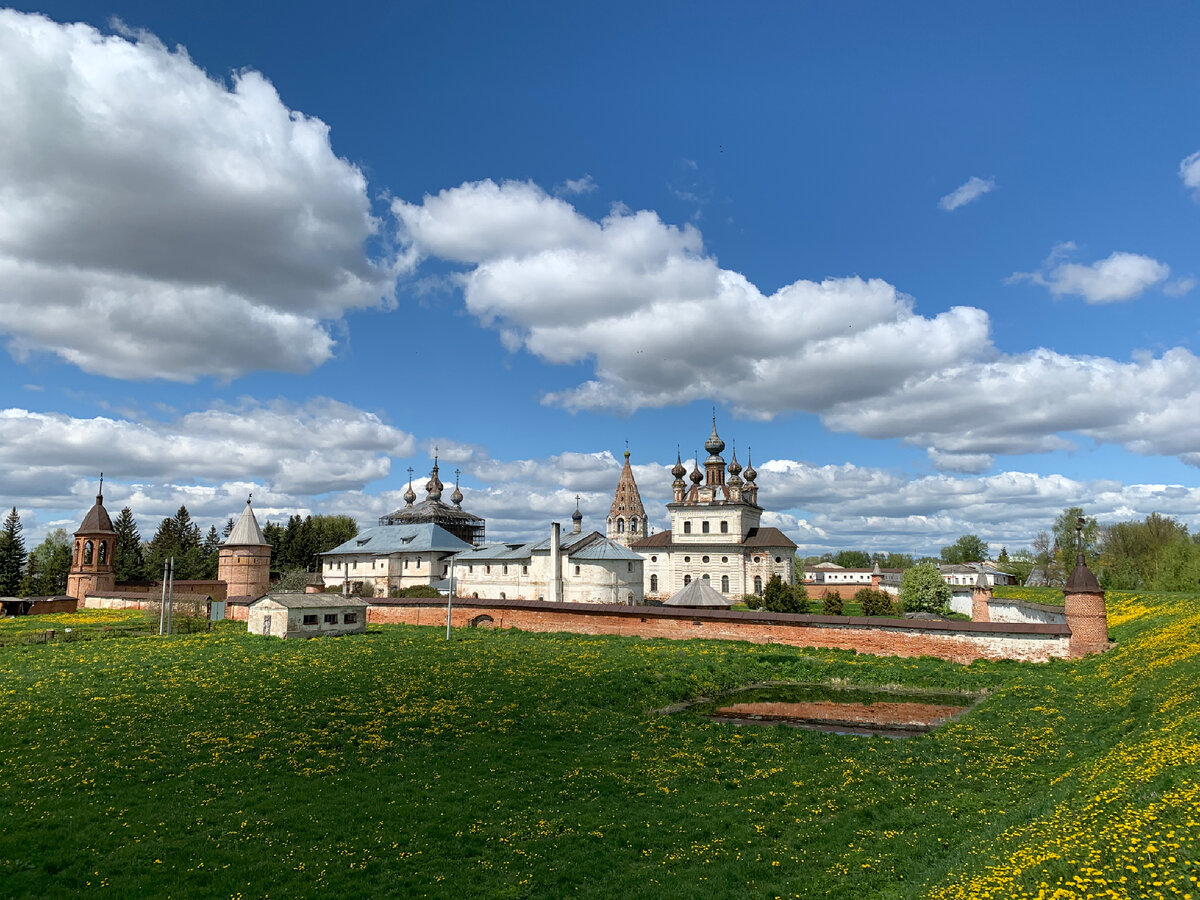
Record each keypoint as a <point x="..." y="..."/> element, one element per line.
<point x="129" y="562"/>
<point x="49" y="565"/>
<point x="12" y="555"/>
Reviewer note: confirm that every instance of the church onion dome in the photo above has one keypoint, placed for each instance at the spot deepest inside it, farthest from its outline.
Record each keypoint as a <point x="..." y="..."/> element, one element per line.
<point x="577" y="516"/>
<point x="735" y="468"/>
<point x="433" y="487"/>
<point x="714" y="445"/>
<point x="410" y="495"/>
<point x="750" y="472"/>
<point x="456" y="498"/>
<point x="678" y="470"/>
<point x="697" y="476"/>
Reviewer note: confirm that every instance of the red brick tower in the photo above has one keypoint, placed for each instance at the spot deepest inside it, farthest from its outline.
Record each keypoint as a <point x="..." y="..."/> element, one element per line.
<point x="1087" y="616"/>
<point x="980" y="595"/>
<point x="92" y="555"/>
<point x="244" y="560"/>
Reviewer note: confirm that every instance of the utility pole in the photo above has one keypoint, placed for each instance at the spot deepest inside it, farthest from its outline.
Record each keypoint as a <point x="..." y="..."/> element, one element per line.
<point x="450" y="598"/>
<point x="162" y="603"/>
<point x="171" y="594"/>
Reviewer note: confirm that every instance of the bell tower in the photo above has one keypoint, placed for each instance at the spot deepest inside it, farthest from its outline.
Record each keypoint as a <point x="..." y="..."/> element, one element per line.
<point x="92" y="555"/>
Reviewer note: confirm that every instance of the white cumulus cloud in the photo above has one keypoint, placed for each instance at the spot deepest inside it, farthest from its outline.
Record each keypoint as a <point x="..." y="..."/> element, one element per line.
<point x="661" y="320"/>
<point x="1121" y="276"/>
<point x="158" y="223"/>
<point x="971" y="189"/>
<point x="1189" y="171"/>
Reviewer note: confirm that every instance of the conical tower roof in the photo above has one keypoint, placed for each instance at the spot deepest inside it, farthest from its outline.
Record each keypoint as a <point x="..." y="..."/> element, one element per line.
<point x="246" y="532"/>
<point x="97" y="521"/>
<point x="627" y="501"/>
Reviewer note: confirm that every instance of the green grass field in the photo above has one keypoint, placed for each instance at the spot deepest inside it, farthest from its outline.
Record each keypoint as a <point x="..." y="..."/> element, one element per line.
<point x="505" y="764"/>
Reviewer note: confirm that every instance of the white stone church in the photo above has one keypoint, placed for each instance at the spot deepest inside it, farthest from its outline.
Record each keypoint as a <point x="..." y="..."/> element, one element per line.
<point x="715" y="533"/>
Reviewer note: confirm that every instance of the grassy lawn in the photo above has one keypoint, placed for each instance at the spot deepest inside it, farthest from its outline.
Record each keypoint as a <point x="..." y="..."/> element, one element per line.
<point x="509" y="765"/>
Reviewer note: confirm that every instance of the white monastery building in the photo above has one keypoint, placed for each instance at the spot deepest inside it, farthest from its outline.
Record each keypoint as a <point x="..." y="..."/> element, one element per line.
<point x="715" y="534"/>
<point x="571" y="568"/>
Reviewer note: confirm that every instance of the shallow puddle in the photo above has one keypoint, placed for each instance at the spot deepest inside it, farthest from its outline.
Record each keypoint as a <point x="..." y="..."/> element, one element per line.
<point x="888" y="713"/>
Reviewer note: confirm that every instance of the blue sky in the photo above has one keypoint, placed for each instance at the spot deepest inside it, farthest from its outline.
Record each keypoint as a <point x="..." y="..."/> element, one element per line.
<point x="935" y="264"/>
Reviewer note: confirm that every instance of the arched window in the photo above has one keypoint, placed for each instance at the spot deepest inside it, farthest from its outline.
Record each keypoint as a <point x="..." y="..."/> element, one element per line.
<point x="78" y="550"/>
<point x="502" y="597"/>
<point x="103" y="552"/>
<point x="704" y="559"/>
<point x="704" y="527"/>
<point x="87" y="553"/>
<point x="706" y="578"/>
<point x="724" y="528"/>
<point x="724" y="584"/>
<point x="620" y="526"/>
<point x="653" y="583"/>
<point x="633" y="524"/>
<point x="687" y="527"/>
<point x="687" y="579"/>
<point x="758" y="584"/>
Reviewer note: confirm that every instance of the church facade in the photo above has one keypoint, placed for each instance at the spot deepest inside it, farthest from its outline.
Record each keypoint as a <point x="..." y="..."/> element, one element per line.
<point x="715" y="533"/>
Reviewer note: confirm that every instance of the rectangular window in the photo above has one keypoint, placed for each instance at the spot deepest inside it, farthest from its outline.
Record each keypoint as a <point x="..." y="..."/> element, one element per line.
<point x="577" y="570"/>
<point x="330" y="618"/>
<point x="724" y="528"/>
<point x="506" y="570"/>
<point x="628" y="567"/>
<point x="470" y="569"/>
<point x="524" y="570"/>
<point x="310" y="620"/>
<point x="350" y="619"/>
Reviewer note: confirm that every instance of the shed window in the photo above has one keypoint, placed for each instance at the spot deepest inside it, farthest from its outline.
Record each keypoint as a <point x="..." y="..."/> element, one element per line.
<point x="350" y="619"/>
<point x="330" y="618"/>
<point x="310" y="620"/>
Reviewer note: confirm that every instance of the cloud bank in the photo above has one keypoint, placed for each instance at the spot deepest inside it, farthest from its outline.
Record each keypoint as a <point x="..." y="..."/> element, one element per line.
<point x="158" y="223"/>
<point x="662" y="323"/>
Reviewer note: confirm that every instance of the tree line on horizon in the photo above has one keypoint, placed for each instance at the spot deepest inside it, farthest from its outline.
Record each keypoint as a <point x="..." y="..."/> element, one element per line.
<point x="43" y="571"/>
<point x="1155" y="553"/>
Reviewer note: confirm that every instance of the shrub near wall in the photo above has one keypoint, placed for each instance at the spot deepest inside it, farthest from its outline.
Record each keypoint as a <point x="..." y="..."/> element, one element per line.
<point x="875" y="603"/>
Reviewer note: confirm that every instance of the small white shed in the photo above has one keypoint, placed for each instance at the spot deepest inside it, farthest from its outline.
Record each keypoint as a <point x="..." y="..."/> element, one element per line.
<point x="306" y="615"/>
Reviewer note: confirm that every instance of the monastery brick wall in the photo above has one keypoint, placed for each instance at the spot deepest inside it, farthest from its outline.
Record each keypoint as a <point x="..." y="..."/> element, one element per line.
<point x="961" y="642"/>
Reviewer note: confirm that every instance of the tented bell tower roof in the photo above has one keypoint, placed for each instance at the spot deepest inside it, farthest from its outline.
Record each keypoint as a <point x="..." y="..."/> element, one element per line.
<point x="246" y="532"/>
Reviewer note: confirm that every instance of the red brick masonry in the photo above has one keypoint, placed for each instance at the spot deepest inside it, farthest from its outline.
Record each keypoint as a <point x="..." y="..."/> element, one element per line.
<point x="960" y="642"/>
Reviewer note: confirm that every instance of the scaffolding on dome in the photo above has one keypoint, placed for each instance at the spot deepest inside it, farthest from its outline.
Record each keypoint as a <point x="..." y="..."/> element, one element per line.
<point x="458" y="522"/>
<point x="453" y="519"/>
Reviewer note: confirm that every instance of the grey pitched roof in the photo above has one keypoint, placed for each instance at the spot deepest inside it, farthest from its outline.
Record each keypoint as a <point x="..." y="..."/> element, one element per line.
<point x="491" y="552"/>
<point x="605" y="549"/>
<point x="384" y="539"/>
<point x="246" y="532"/>
<point x="699" y="594"/>
<point x="311" y="601"/>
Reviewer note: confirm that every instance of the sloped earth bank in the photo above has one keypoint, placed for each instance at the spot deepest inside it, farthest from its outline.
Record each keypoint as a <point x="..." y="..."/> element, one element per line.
<point x="506" y="764"/>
